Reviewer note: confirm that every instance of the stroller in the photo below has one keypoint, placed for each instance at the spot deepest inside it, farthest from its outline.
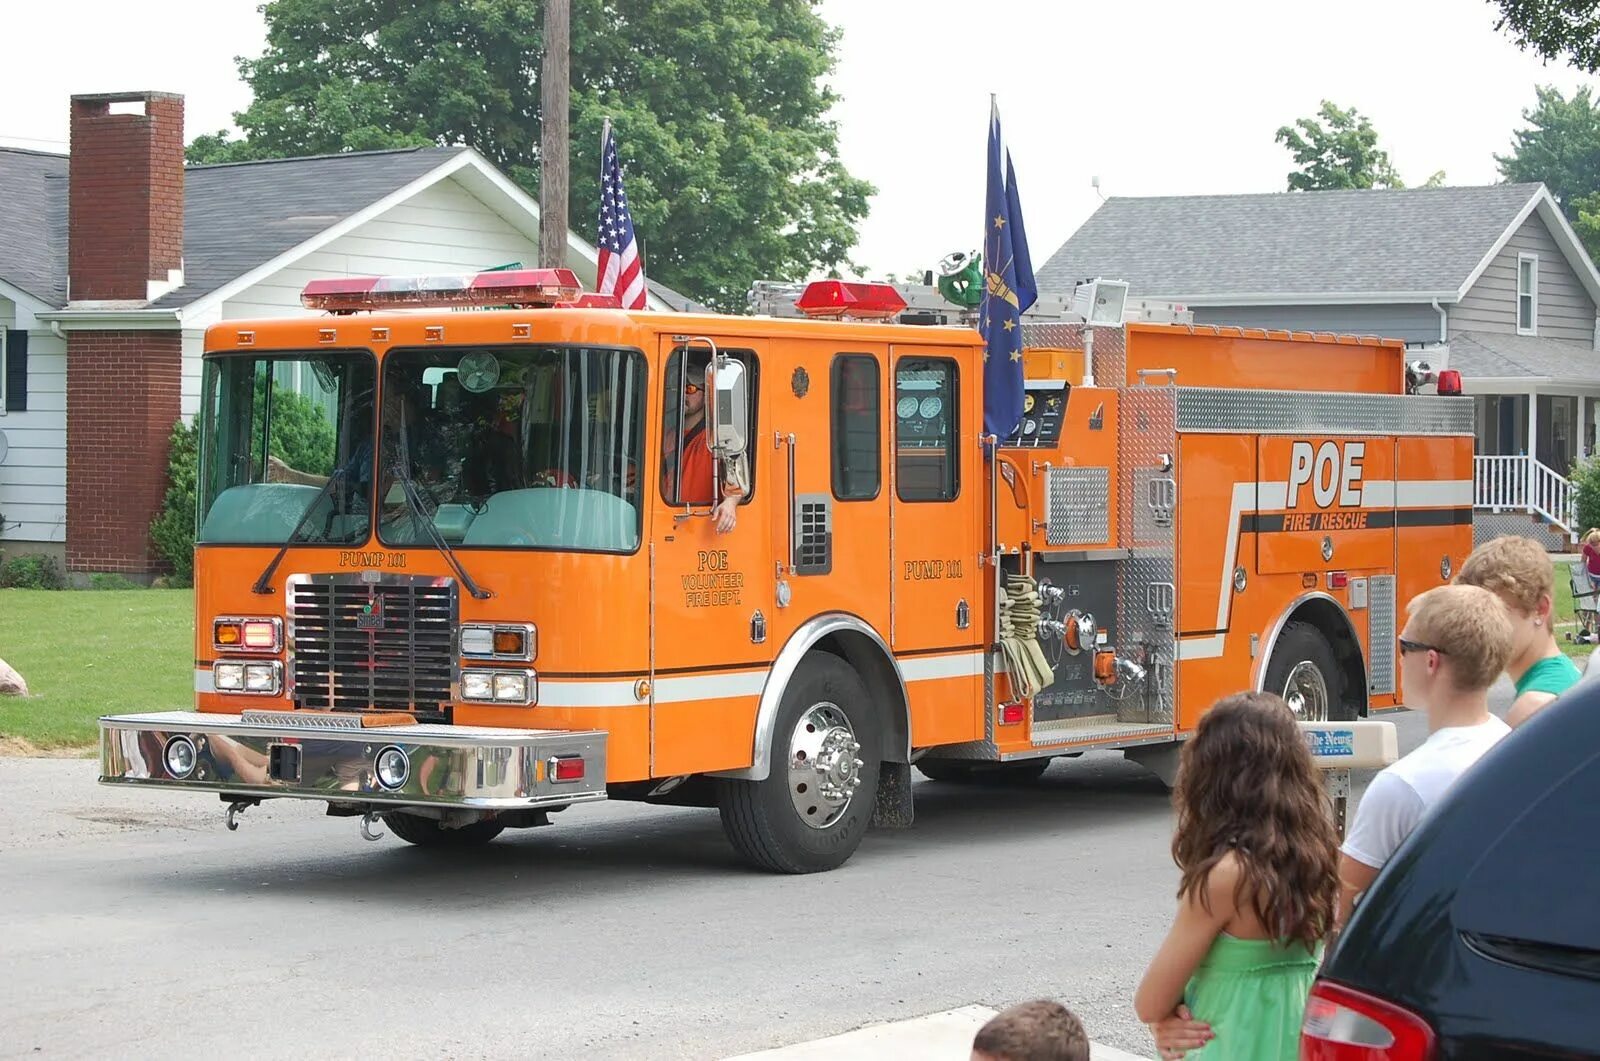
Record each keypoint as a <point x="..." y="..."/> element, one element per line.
<point x="1586" y="602"/>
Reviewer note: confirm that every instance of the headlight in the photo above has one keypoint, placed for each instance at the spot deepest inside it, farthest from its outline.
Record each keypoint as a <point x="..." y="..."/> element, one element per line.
<point x="228" y="677"/>
<point x="261" y="679"/>
<point x="511" y="687"/>
<point x="180" y="757"/>
<point x="509" y="641"/>
<point x="520" y="687"/>
<point x="393" y="767"/>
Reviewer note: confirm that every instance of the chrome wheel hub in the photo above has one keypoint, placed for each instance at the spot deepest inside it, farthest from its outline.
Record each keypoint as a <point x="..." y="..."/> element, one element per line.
<point x="824" y="772"/>
<point x="1306" y="693"/>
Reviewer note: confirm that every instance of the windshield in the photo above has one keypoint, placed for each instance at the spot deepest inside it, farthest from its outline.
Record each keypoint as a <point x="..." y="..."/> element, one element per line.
<point x="273" y="429"/>
<point x="519" y="447"/>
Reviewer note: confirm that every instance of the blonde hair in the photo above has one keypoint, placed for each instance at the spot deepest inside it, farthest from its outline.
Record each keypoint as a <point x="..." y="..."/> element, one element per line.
<point x="1470" y="627"/>
<point x="1517" y="569"/>
<point x="1593" y="536"/>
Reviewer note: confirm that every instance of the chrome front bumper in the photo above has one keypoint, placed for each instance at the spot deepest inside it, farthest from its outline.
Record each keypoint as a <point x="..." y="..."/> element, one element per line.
<point x="331" y="757"/>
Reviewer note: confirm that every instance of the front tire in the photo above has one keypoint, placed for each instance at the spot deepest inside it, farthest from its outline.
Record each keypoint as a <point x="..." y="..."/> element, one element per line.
<point x="1304" y="671"/>
<point x="812" y="810"/>
<point x="430" y="832"/>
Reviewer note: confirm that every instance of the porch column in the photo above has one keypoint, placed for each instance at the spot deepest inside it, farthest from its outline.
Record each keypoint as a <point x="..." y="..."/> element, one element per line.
<point x="1582" y="427"/>
<point x="1528" y="478"/>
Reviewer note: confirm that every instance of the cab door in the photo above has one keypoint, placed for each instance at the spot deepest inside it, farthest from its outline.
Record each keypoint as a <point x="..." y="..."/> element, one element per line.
<point x="936" y="506"/>
<point x="830" y="504"/>
<point x="712" y="593"/>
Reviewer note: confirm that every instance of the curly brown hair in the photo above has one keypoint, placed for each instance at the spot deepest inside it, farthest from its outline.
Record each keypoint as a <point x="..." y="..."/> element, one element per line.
<point x="1247" y="785"/>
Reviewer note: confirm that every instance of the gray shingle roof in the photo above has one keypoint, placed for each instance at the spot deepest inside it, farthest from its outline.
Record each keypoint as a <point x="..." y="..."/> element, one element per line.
<point x="235" y="216"/>
<point x="1490" y="355"/>
<point x="1363" y="242"/>
<point x="33" y="223"/>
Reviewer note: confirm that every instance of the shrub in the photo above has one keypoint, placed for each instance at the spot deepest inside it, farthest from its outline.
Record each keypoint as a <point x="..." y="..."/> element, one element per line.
<point x="1586" y="493"/>
<point x="111" y="580"/>
<point x="300" y="435"/>
<point x="31" y="572"/>
<point x="172" y="532"/>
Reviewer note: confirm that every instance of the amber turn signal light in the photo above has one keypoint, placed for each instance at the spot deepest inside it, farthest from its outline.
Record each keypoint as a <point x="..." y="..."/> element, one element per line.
<point x="509" y="643"/>
<point x="228" y="633"/>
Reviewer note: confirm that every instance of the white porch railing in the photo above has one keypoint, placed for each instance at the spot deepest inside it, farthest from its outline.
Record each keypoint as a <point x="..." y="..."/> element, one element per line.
<point x="1522" y="483"/>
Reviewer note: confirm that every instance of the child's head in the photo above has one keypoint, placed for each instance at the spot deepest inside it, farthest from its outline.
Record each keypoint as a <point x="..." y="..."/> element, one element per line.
<point x="1457" y="639"/>
<point x="1593" y="537"/>
<point x="1032" y="1031"/>
<point x="1247" y="785"/>
<point x="1520" y="573"/>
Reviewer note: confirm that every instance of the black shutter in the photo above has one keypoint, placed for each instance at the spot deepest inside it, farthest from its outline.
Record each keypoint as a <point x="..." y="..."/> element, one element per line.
<point x="16" y="370"/>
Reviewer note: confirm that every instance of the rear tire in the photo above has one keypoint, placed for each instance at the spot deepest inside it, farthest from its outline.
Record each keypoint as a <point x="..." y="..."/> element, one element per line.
<point x="1304" y="671"/>
<point x="430" y="832"/>
<point x="816" y="803"/>
<point x="976" y="772"/>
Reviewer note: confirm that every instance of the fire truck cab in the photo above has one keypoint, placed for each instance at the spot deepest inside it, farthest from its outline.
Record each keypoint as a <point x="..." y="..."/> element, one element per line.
<point x="471" y="551"/>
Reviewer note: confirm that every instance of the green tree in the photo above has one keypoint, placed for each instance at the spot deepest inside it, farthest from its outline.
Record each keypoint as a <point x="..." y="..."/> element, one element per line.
<point x="172" y="532"/>
<point x="1344" y="153"/>
<point x="719" y="108"/>
<point x="1561" y="147"/>
<point x="1555" y="29"/>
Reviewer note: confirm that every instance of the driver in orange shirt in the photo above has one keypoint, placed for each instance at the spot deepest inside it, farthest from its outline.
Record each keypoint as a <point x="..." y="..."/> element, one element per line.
<point x="696" y="463"/>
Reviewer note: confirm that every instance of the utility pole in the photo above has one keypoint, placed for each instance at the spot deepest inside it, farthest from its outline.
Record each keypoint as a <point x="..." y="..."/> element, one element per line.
<point x="554" y="93"/>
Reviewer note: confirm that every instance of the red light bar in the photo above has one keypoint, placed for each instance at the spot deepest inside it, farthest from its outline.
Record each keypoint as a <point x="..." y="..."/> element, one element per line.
<point x="592" y="300"/>
<point x="513" y="287"/>
<point x="840" y="298"/>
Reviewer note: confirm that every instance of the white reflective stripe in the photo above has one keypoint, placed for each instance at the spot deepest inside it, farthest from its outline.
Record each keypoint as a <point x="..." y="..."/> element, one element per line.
<point x="203" y="681"/>
<point x="710" y="686"/>
<point x="1417" y="493"/>
<point x="927" y="668"/>
<point x="586" y="694"/>
<point x="1208" y="647"/>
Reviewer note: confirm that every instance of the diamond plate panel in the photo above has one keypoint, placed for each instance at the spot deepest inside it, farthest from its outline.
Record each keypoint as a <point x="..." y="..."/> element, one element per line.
<point x="1487" y="526"/>
<point x="1381" y="634"/>
<point x="1077" y="506"/>
<point x="1110" y="346"/>
<point x="1298" y="412"/>
<point x="1147" y="448"/>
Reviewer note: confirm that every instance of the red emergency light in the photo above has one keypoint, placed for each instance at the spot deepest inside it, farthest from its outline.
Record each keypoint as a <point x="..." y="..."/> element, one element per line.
<point x="508" y="287"/>
<point x="1450" y="381"/>
<point x="843" y="299"/>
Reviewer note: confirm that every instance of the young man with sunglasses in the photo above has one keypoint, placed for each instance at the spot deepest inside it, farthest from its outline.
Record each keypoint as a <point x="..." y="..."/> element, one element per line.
<point x="1456" y="641"/>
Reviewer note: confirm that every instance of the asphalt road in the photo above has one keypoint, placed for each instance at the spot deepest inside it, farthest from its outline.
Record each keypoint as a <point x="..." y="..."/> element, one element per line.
<point x="136" y="925"/>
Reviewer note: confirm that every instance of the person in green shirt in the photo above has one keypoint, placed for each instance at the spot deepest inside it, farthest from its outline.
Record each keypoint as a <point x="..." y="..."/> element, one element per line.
<point x="1521" y="573"/>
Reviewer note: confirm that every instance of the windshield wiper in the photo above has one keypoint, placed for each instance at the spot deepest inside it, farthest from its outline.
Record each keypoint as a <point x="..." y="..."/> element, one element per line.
<point x="408" y="487"/>
<point x="262" y="587"/>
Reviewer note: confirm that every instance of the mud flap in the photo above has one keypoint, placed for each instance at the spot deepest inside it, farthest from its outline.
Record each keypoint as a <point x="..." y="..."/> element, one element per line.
<point x="893" y="809"/>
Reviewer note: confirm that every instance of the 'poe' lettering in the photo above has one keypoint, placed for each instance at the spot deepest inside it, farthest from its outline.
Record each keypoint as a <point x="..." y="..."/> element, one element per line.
<point x="1331" y="470"/>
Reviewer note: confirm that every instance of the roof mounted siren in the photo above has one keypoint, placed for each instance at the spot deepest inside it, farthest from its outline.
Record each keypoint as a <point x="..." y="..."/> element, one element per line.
<point x="524" y="288"/>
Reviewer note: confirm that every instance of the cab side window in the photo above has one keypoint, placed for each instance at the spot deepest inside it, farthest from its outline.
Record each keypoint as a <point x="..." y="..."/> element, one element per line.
<point x="686" y="464"/>
<point x="856" y="427"/>
<point x="925" y="429"/>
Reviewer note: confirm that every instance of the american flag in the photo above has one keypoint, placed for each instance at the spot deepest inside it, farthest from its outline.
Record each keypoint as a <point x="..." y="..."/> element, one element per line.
<point x="620" y="271"/>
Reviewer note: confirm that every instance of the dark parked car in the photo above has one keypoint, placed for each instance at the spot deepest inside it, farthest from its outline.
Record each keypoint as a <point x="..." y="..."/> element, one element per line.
<point x="1481" y="937"/>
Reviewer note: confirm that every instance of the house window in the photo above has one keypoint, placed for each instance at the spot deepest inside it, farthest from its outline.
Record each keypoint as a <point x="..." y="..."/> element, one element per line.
<point x="13" y="370"/>
<point x="1527" y="294"/>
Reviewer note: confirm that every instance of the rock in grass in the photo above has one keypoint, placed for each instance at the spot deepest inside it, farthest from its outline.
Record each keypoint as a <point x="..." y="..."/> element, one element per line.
<point x="11" y="683"/>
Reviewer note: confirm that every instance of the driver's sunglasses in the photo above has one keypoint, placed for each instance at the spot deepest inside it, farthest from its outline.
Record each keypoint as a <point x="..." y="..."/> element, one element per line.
<point x="1418" y="646"/>
<point x="690" y="387"/>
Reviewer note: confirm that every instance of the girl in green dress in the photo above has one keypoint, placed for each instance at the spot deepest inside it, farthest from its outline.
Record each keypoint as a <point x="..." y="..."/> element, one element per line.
<point x="1258" y="856"/>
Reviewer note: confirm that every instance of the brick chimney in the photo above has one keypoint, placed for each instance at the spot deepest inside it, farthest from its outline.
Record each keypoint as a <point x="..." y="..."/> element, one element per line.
<point x="124" y="375"/>
<point x="125" y="198"/>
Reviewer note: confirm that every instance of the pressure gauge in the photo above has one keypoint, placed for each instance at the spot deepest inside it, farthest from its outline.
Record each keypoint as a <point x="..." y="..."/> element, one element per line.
<point x="931" y="406"/>
<point x="906" y="407"/>
<point x="478" y="370"/>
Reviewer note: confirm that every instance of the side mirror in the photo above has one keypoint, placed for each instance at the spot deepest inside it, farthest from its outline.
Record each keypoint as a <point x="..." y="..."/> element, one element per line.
<point x="727" y="391"/>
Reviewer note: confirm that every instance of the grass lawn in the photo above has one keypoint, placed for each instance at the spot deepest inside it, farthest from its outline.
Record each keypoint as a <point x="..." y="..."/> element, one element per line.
<point x="1565" y="613"/>
<point x="86" y="653"/>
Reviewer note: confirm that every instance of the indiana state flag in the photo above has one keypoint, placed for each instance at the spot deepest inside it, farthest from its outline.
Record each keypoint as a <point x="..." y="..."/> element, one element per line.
<point x="1009" y="289"/>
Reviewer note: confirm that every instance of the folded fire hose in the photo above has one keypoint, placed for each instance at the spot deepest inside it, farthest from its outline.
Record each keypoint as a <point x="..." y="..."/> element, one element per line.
<point x="1019" y="637"/>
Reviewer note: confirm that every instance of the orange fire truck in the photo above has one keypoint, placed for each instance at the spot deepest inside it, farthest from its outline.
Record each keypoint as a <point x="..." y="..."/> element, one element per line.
<point x="489" y="583"/>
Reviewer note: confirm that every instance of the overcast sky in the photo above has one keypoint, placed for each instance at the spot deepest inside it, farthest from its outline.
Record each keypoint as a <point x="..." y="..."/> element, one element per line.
<point x="1154" y="97"/>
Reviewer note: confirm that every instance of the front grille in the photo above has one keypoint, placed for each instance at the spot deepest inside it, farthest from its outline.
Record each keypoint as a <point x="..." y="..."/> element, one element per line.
<point x="384" y="645"/>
